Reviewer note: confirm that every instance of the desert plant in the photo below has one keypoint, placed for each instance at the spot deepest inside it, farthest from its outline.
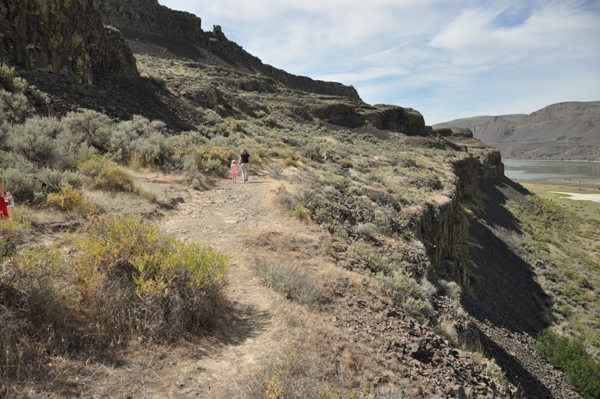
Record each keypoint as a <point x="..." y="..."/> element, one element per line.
<point x="287" y="162"/>
<point x="123" y="279"/>
<point x="388" y="392"/>
<point x="276" y="171"/>
<point x="233" y="124"/>
<point x="14" y="107"/>
<point x="374" y="262"/>
<point x="313" y="152"/>
<point x="91" y="127"/>
<point x="301" y="212"/>
<point x="288" y="278"/>
<point x="156" y="284"/>
<point x="403" y="289"/>
<point x="569" y="355"/>
<point x="36" y="140"/>
<point x="107" y="175"/>
<point x="24" y="185"/>
<point x="365" y="230"/>
<point x="384" y="221"/>
<point x="71" y="199"/>
<point x="284" y="199"/>
<point x="13" y="230"/>
<point x="10" y="81"/>
<point x="52" y="178"/>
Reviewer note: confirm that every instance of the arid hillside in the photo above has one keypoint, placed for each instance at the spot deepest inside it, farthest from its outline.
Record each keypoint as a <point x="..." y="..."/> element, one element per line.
<point x="565" y="131"/>
<point x="368" y="255"/>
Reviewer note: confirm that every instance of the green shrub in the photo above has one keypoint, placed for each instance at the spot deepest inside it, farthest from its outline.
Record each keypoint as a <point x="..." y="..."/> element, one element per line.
<point x="404" y="290"/>
<point x="301" y="212"/>
<point x="388" y="392"/>
<point x="36" y="140"/>
<point x="70" y="199"/>
<point x="286" y="200"/>
<point x="90" y="127"/>
<point x="157" y="283"/>
<point x="24" y="185"/>
<point x="374" y="262"/>
<point x="383" y="222"/>
<point x="14" y="107"/>
<point x="290" y="162"/>
<point x="53" y="178"/>
<point x="289" y="279"/>
<point x="13" y="230"/>
<point x="355" y="190"/>
<point x="313" y="151"/>
<point x="233" y="124"/>
<point x="107" y="175"/>
<point x="276" y="171"/>
<point x="365" y="230"/>
<point x="215" y="160"/>
<point x="150" y="151"/>
<point x="122" y="280"/>
<point x="10" y="81"/>
<point x="211" y="118"/>
<point x="569" y="355"/>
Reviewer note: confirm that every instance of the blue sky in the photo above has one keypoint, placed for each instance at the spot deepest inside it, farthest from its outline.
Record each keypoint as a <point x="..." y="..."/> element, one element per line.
<point x="447" y="59"/>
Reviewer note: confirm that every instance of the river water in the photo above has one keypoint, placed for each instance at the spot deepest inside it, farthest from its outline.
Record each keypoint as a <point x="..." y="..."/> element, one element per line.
<point x="551" y="170"/>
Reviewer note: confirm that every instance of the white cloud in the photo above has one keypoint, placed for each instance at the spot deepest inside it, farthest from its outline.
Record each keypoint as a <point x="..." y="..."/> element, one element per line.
<point x="447" y="59"/>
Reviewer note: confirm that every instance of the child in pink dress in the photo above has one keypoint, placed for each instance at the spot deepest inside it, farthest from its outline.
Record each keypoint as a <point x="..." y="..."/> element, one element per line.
<point x="233" y="170"/>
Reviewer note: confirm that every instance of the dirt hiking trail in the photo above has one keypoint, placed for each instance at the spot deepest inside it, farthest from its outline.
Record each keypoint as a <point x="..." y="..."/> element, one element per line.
<point x="224" y="217"/>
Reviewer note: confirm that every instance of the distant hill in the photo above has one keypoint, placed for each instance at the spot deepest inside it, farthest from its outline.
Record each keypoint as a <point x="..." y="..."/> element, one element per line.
<point x="568" y="130"/>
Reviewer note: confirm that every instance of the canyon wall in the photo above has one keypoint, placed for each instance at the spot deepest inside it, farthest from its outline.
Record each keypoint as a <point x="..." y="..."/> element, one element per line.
<point x="569" y="131"/>
<point x="443" y="225"/>
<point x="61" y="35"/>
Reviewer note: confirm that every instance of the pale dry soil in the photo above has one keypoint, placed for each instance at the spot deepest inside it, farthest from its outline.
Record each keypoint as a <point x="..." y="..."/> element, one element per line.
<point x="226" y="217"/>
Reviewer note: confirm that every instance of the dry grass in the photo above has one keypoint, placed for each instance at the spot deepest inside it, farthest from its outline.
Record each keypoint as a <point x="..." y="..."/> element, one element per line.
<point x="289" y="278"/>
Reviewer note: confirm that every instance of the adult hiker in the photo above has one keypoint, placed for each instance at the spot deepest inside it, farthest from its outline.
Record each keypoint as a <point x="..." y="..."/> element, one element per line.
<point x="245" y="164"/>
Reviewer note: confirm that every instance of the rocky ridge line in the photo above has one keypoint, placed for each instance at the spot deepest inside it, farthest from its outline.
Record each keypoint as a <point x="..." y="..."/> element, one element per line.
<point x="155" y="22"/>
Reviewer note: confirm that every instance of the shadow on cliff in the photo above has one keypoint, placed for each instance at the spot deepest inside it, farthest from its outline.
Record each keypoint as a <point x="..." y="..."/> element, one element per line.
<point x="518" y="375"/>
<point x="165" y="46"/>
<point x="144" y="97"/>
<point x="120" y="97"/>
<point x="505" y="292"/>
<point x="498" y="192"/>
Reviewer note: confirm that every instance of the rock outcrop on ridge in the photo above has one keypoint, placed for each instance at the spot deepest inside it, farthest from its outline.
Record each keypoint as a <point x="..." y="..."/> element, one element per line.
<point x="148" y="21"/>
<point x="57" y="35"/>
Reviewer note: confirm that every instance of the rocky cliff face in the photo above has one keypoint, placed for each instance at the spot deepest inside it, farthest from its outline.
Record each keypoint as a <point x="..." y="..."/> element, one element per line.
<point x="569" y="130"/>
<point x="443" y="226"/>
<point x="60" y="34"/>
<point x="148" y="20"/>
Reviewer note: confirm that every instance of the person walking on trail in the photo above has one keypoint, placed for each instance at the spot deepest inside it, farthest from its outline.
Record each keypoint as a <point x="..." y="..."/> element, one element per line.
<point x="245" y="163"/>
<point x="233" y="170"/>
<point x="3" y="207"/>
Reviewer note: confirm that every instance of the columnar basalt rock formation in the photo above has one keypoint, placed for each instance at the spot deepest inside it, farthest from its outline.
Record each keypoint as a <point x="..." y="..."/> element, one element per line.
<point x="61" y="34"/>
